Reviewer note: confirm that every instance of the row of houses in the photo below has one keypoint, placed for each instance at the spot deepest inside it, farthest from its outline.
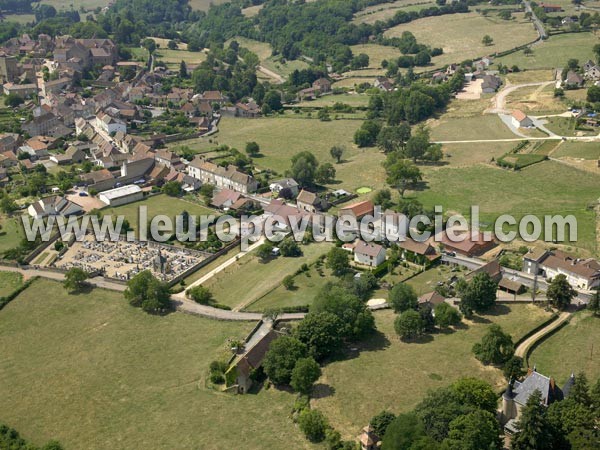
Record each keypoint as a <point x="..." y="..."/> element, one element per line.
<point x="581" y="273"/>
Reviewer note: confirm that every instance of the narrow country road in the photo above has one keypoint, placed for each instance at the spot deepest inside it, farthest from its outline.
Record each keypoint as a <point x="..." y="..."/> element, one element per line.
<point x="499" y="101"/>
<point x="524" y="346"/>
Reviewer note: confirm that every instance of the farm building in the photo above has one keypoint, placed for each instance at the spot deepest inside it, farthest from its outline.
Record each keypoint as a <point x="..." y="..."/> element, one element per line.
<point x="53" y="206"/>
<point x="521" y="120"/>
<point x="122" y="195"/>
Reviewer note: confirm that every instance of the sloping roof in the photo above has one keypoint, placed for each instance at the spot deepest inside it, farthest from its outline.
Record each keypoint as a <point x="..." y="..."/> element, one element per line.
<point x="224" y="196"/>
<point x="510" y="285"/>
<point x="256" y="354"/>
<point x="536" y="381"/>
<point x="536" y="254"/>
<point x="492" y="269"/>
<point x="307" y="197"/>
<point x="465" y="242"/>
<point x="418" y="248"/>
<point x="432" y="297"/>
<point x="519" y="115"/>
<point x="358" y="209"/>
<point x="368" y="248"/>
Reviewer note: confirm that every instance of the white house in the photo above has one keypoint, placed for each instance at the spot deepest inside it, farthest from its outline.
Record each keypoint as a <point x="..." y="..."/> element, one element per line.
<point x="110" y="124"/>
<point x="520" y="120"/>
<point x="53" y="206"/>
<point x="221" y="177"/>
<point x="580" y="273"/>
<point x="367" y="253"/>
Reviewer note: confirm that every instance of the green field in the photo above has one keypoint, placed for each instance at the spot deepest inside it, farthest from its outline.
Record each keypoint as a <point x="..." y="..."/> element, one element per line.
<point x="95" y="373"/>
<point x="355" y="100"/>
<point x="386" y="11"/>
<point x="449" y="33"/>
<point x="564" y="126"/>
<point x="11" y="232"/>
<point x="158" y="204"/>
<point x="249" y="279"/>
<point x="555" y="52"/>
<point x="574" y="348"/>
<point x="545" y="188"/>
<point x="9" y="282"/>
<point x="469" y="154"/>
<point x="282" y="137"/>
<point x="573" y="149"/>
<point x="264" y="52"/>
<point x="386" y="373"/>
<point x="307" y="287"/>
<point x="377" y="53"/>
<point x="76" y="5"/>
<point x="204" y="5"/>
<point x="173" y="58"/>
<point x="488" y="126"/>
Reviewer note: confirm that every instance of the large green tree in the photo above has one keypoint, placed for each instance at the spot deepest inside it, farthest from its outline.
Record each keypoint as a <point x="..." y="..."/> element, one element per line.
<point x="403" y="297"/>
<point x="409" y="325"/>
<point x="75" y="279"/>
<point x="478" y="295"/>
<point x="147" y="292"/>
<point x="321" y="332"/>
<point x="560" y="293"/>
<point x="304" y="168"/>
<point x="305" y="373"/>
<point x="478" y="430"/>
<point x="535" y="431"/>
<point x="281" y="358"/>
<point x="496" y="346"/>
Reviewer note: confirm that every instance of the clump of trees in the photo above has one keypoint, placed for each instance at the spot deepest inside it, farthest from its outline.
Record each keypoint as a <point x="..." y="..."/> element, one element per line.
<point x="145" y="291"/>
<point x="477" y="295"/>
<point x="461" y="416"/>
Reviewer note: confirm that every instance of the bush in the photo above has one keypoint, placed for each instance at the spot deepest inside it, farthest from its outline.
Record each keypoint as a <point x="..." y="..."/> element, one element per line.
<point x="200" y="294"/>
<point x="217" y="378"/>
<point x="218" y="366"/>
<point x="313" y="424"/>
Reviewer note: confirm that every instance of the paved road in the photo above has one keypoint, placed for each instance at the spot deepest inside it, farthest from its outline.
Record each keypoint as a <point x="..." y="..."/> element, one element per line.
<point x="521" y="350"/>
<point x="539" y="26"/>
<point x="516" y="275"/>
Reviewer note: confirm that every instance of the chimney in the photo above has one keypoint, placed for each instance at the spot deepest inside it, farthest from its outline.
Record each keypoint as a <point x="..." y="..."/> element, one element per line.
<point x="124" y="169"/>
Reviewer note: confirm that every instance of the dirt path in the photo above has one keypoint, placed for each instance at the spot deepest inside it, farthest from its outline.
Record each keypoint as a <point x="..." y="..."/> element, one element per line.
<point x="499" y="101"/>
<point x="524" y="346"/>
<point x="271" y="74"/>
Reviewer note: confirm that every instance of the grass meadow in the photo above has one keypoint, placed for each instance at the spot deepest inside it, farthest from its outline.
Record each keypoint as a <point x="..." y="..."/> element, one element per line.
<point x="157" y="204"/>
<point x="555" y="52"/>
<point x="573" y="348"/>
<point x="386" y="11"/>
<point x="281" y="137"/>
<point x="249" y="279"/>
<point x="574" y="149"/>
<point x="385" y="373"/>
<point x="11" y="232"/>
<point x="449" y="33"/>
<point x="204" y="5"/>
<point x="95" y="373"/>
<point x="9" y="282"/>
<point x="546" y="188"/>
